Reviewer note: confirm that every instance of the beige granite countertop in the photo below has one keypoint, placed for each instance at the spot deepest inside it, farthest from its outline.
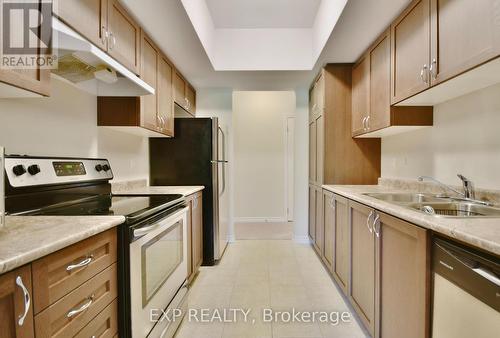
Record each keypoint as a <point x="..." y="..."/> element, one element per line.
<point x="483" y="233"/>
<point x="27" y="238"/>
<point x="161" y="190"/>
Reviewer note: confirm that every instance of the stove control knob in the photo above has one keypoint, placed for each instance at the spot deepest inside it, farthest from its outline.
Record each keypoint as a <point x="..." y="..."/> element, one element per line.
<point x="106" y="167"/>
<point x="34" y="169"/>
<point x="19" y="170"/>
<point x="98" y="167"/>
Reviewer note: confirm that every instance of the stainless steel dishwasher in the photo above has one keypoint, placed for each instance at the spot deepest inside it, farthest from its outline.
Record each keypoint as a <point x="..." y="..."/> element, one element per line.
<point x="466" y="292"/>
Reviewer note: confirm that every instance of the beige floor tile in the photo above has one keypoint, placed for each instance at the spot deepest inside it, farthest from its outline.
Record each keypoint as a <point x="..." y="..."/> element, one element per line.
<point x="268" y="274"/>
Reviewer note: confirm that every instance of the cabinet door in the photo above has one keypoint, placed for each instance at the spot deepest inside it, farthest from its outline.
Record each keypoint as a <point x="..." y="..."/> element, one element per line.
<point x="149" y="73"/>
<point x="124" y="37"/>
<point x="329" y="228"/>
<point x="179" y="89"/>
<point x="87" y="17"/>
<point x="312" y="151"/>
<point x="320" y="149"/>
<point x="410" y="51"/>
<point x="13" y="305"/>
<point x="465" y="34"/>
<point x="165" y="96"/>
<point x="197" y="231"/>
<point x="362" y="292"/>
<point x="341" y="265"/>
<point x="403" y="271"/>
<point x="189" y="227"/>
<point x="319" y="239"/>
<point x="191" y="99"/>
<point x="312" y="213"/>
<point x="319" y="92"/>
<point x="380" y="84"/>
<point x="360" y="95"/>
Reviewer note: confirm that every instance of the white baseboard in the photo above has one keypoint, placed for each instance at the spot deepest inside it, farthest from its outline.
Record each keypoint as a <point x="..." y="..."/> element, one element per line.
<point x="302" y="239"/>
<point x="260" y="220"/>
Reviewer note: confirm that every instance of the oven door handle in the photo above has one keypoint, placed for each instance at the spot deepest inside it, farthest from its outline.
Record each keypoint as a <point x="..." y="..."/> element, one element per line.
<point x="146" y="230"/>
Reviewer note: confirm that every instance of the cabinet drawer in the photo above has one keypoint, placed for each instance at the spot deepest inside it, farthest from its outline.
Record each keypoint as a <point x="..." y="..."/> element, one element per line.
<point x="54" y="280"/>
<point x="105" y="325"/>
<point x="91" y="298"/>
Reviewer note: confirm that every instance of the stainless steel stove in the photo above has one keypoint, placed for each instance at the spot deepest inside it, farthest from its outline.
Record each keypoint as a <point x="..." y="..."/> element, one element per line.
<point x="152" y="240"/>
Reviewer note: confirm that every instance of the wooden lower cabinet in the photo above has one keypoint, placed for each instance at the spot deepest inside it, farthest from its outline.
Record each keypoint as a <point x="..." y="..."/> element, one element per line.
<point x="105" y="325"/>
<point x="312" y="213"/>
<point x="403" y="273"/>
<point x="195" y="234"/>
<point x="13" y="305"/>
<point x="362" y="290"/>
<point x="342" y="245"/>
<point x="329" y="229"/>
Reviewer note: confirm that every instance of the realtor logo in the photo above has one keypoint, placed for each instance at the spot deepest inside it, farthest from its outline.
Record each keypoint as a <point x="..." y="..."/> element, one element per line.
<point x="27" y="35"/>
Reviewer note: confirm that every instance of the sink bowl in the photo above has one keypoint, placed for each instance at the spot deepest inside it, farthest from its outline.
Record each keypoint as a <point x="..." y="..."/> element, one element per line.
<point x="456" y="209"/>
<point x="404" y="198"/>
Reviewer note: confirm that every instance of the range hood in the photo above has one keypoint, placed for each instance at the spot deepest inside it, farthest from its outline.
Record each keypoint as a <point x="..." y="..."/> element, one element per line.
<point x="91" y="69"/>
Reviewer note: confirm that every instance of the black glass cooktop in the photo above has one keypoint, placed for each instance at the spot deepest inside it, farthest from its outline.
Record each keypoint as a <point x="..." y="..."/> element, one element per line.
<point x="130" y="206"/>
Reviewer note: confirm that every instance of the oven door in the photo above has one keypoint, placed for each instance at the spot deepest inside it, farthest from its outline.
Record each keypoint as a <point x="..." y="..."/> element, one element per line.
<point x="158" y="268"/>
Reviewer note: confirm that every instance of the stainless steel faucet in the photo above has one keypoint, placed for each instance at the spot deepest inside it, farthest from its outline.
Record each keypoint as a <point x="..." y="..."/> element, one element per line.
<point x="445" y="186"/>
<point x="468" y="194"/>
<point x="468" y="187"/>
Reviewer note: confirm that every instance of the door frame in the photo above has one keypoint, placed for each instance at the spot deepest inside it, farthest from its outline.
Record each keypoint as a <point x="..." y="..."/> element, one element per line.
<point x="289" y="168"/>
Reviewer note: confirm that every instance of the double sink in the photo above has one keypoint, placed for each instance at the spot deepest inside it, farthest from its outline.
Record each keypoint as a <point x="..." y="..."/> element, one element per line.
<point x="438" y="206"/>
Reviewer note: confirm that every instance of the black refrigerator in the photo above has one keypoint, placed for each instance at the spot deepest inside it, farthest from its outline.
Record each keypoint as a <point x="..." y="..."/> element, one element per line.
<point x="196" y="155"/>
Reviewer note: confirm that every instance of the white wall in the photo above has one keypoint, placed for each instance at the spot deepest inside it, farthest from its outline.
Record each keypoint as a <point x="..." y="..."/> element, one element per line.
<point x="260" y="154"/>
<point x="465" y="139"/>
<point x="65" y="124"/>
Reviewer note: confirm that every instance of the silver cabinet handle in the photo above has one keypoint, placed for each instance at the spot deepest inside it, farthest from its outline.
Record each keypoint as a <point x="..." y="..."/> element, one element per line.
<point x="370" y="216"/>
<point x="27" y="301"/>
<point x="113" y="41"/>
<point x="82" y="264"/>
<point x="376" y="225"/>
<point x="364" y="123"/>
<point x="424" y="74"/>
<point x="433" y="69"/>
<point x="368" y="122"/>
<point x="82" y="308"/>
<point x="104" y="35"/>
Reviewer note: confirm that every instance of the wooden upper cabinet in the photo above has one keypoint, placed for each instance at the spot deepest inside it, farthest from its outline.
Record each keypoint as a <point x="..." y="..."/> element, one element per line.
<point x="124" y="37"/>
<point x="410" y="51"/>
<point x="179" y="89"/>
<point x="13" y="305"/>
<point x="360" y="95"/>
<point x="403" y="271"/>
<point x="362" y="291"/>
<point x="465" y="34"/>
<point x="87" y="17"/>
<point x="191" y="99"/>
<point x="36" y="80"/>
<point x="380" y="84"/>
<point x="149" y="73"/>
<point x="165" y="95"/>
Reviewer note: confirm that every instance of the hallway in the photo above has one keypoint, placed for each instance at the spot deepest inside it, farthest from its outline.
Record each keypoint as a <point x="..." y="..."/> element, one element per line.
<point x="268" y="274"/>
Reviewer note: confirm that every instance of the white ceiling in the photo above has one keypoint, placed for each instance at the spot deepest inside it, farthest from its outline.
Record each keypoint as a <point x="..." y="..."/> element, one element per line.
<point x="263" y="13"/>
<point x="168" y="24"/>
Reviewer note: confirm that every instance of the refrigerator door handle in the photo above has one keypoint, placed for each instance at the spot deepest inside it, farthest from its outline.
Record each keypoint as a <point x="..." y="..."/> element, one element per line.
<point x="223" y="161"/>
